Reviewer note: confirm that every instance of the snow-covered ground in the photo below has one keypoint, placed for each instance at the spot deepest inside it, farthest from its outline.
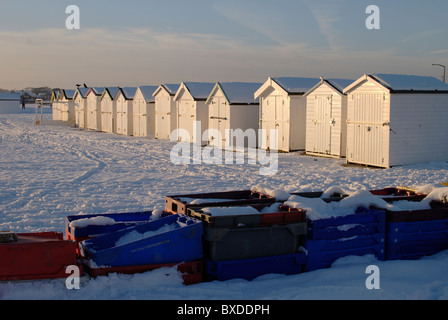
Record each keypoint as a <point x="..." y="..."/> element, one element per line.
<point x="51" y="171"/>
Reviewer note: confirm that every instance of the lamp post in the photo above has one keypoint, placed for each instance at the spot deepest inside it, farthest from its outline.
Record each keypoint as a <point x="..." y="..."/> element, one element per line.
<point x="444" y="70"/>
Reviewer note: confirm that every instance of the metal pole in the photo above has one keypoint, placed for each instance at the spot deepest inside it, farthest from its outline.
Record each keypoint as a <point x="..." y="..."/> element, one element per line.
<point x="41" y="111"/>
<point x="39" y="104"/>
<point x="37" y="119"/>
<point x="444" y="70"/>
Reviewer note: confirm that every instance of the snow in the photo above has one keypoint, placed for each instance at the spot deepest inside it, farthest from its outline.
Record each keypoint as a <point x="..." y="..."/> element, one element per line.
<point x="276" y="193"/>
<point x="296" y="84"/>
<point x="199" y="90"/>
<point x="234" y="210"/>
<point x="171" y="88"/>
<point x="82" y="91"/>
<point x="398" y="82"/>
<point x="134" y="236"/>
<point x="340" y="84"/>
<point x="96" y="221"/>
<point x="147" y="92"/>
<point x="438" y="194"/>
<point x="240" y="92"/>
<point x="203" y="201"/>
<point x="317" y="208"/>
<point x="335" y="190"/>
<point x="52" y="171"/>
<point x="97" y="90"/>
<point x="69" y="94"/>
<point x="129" y="92"/>
<point x="112" y="91"/>
<point x="224" y="211"/>
<point x="157" y="214"/>
<point x="273" y="208"/>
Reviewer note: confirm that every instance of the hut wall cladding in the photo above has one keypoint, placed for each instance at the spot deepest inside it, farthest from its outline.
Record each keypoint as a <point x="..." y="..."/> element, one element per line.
<point x="108" y="110"/>
<point x="93" y="109"/>
<point x="124" y="115"/>
<point x="192" y="110"/>
<point x="397" y="125"/>
<point x="56" y="109"/>
<point x="326" y="119"/>
<point x="283" y="107"/>
<point x="165" y="111"/>
<point x="367" y="136"/>
<point x="144" y="112"/>
<point x="68" y="111"/>
<point x="80" y="108"/>
<point x="418" y="130"/>
<point x="286" y="114"/>
<point x="231" y="107"/>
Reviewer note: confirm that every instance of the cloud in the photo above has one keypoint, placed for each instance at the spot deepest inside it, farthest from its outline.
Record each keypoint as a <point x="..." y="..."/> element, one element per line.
<point x="437" y="52"/>
<point x="127" y="56"/>
<point x="250" y="21"/>
<point x="417" y="37"/>
<point x="145" y="56"/>
<point x="327" y="16"/>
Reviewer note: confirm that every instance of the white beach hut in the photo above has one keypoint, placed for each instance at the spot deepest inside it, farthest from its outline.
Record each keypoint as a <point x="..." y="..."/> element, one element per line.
<point x="108" y="109"/>
<point x="165" y="110"/>
<point x="80" y="99"/>
<point x="93" y="108"/>
<point x="9" y="103"/>
<point x="326" y="118"/>
<point x="283" y="107"/>
<point x="124" y="115"/>
<point x="232" y="106"/>
<point x="144" y="112"/>
<point x="55" y="105"/>
<point x="67" y="106"/>
<point x="192" y="111"/>
<point x="397" y="120"/>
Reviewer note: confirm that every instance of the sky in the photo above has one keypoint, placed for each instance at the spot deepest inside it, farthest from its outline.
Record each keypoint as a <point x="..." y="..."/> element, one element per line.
<point x="146" y="42"/>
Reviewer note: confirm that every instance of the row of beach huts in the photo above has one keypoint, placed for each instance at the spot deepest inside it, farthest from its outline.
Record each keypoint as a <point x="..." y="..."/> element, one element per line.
<point x="379" y="120"/>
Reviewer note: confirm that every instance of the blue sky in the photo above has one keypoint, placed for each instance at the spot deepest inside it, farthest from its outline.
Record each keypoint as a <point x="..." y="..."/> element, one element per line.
<point x="137" y="42"/>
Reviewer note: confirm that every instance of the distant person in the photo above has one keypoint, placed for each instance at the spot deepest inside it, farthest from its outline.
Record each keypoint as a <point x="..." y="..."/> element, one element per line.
<point x="23" y="104"/>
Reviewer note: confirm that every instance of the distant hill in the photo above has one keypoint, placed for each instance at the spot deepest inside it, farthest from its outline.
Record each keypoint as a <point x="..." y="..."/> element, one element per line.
<point x="44" y="92"/>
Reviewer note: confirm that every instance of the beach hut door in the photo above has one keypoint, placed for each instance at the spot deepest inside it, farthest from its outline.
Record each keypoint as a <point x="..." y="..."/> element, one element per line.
<point x="323" y="124"/>
<point x="368" y="129"/>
